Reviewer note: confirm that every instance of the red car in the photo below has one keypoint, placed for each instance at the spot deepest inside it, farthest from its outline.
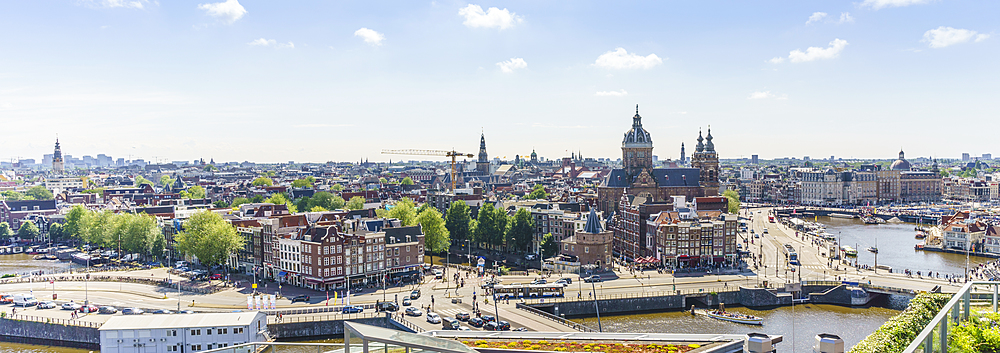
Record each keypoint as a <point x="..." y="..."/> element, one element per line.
<point x="216" y="276"/>
<point x="89" y="309"/>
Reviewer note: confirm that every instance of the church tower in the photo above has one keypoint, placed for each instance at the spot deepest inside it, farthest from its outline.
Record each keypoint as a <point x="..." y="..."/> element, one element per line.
<point x="682" y="153"/>
<point x="637" y="148"/>
<point x="57" y="160"/>
<point x="483" y="163"/>
<point x="707" y="161"/>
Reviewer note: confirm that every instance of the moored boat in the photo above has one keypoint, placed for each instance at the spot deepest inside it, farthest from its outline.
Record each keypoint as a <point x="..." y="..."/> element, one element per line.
<point x="873" y="249"/>
<point x="849" y="251"/>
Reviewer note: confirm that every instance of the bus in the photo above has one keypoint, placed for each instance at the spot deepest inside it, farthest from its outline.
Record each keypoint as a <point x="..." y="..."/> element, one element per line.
<point x="791" y="255"/>
<point x="514" y="291"/>
<point x="770" y="218"/>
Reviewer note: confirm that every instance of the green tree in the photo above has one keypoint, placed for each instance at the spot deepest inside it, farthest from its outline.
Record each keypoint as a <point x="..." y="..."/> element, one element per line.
<point x="239" y="201"/>
<point x="407" y="181"/>
<point x="356" y="203"/>
<point x="458" y="221"/>
<point x="56" y="231"/>
<point x="733" y="199"/>
<point x="208" y="237"/>
<point x="138" y="233"/>
<point x="5" y="232"/>
<point x="263" y="181"/>
<point x="436" y="236"/>
<point x="13" y="195"/>
<point x="39" y="192"/>
<point x="220" y="204"/>
<point x="98" y="228"/>
<point x="537" y="193"/>
<point x="303" y="183"/>
<point x="337" y="187"/>
<point x="194" y="192"/>
<point x="318" y="209"/>
<point x="74" y="221"/>
<point x="503" y="226"/>
<point x="98" y="191"/>
<point x="140" y="180"/>
<point x="257" y="199"/>
<point x="491" y="225"/>
<point x="403" y="210"/>
<point x="327" y="200"/>
<point x="210" y="168"/>
<point x="944" y="173"/>
<point x="165" y="180"/>
<point x="522" y="230"/>
<point x="303" y="203"/>
<point x="281" y="199"/>
<point x="549" y="246"/>
<point x="28" y="230"/>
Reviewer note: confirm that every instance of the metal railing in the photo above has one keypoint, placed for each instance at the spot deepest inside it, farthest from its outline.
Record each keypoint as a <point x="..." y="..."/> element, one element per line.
<point x="52" y="321"/>
<point x="401" y="320"/>
<point x="570" y="324"/>
<point x="648" y="294"/>
<point x="862" y="285"/>
<point x="313" y="318"/>
<point x="951" y="313"/>
<point x="315" y="310"/>
<point x="260" y="347"/>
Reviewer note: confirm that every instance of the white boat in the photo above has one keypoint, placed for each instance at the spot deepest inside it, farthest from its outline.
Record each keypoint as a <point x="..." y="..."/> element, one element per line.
<point x="732" y="317"/>
<point x="849" y="251"/>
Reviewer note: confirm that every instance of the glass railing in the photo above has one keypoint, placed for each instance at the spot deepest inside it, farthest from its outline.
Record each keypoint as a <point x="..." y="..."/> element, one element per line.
<point x="934" y="337"/>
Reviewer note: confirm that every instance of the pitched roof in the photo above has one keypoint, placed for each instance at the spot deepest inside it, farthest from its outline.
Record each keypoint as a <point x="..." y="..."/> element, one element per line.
<point x="593" y="222"/>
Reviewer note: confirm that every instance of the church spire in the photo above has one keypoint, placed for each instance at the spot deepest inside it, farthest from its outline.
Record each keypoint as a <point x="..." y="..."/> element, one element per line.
<point x="701" y="146"/>
<point x="709" y="146"/>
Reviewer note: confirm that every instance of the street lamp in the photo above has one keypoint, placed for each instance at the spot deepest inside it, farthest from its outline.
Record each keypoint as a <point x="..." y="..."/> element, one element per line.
<point x="597" y="308"/>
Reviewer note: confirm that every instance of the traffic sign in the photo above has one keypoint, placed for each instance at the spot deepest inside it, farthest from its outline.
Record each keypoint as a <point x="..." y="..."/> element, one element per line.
<point x="254" y="286"/>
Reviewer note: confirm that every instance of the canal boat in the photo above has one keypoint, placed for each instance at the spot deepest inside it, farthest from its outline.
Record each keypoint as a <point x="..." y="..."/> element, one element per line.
<point x="849" y="251"/>
<point x="733" y="317"/>
<point x="919" y="246"/>
<point x="873" y="249"/>
<point x="920" y="234"/>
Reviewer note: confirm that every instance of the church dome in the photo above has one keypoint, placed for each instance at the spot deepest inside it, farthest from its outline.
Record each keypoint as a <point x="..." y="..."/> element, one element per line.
<point x="900" y="164"/>
<point x="637" y="136"/>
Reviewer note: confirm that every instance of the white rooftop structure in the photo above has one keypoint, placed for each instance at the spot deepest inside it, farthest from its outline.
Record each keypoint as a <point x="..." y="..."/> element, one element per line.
<point x="181" y="332"/>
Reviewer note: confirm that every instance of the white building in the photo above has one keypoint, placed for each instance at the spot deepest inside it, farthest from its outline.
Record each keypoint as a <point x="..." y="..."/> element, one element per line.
<point x="184" y="333"/>
<point x="58" y="185"/>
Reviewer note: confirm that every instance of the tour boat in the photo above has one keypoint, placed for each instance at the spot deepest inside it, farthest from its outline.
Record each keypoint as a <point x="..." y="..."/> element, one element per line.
<point x="733" y="317"/>
<point x="873" y="249"/>
<point x="849" y="251"/>
<point x="919" y="246"/>
<point x="920" y="235"/>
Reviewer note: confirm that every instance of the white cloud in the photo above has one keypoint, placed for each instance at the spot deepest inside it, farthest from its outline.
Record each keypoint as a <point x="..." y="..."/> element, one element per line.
<point x="228" y="11"/>
<point x="6" y="105"/>
<point x="321" y="125"/>
<point x="816" y="17"/>
<point x="878" y="4"/>
<point x="813" y="53"/>
<point x="508" y="66"/>
<point x="491" y="18"/>
<point x="370" y="36"/>
<point x="271" y="43"/>
<point x="945" y="36"/>
<point x="611" y="93"/>
<point x="621" y="59"/>
<point x="766" y="95"/>
<point x="845" y="17"/>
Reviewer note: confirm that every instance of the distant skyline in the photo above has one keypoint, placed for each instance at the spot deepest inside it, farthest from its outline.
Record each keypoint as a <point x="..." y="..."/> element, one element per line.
<point x="314" y="81"/>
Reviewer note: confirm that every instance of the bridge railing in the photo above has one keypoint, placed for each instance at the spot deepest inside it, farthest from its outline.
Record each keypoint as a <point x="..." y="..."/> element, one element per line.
<point x="646" y="294"/>
<point x="956" y="310"/>
<point x="570" y="324"/>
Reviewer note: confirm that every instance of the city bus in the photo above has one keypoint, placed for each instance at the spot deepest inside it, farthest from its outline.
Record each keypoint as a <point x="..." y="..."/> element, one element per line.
<point x="513" y="291"/>
<point x="770" y="218"/>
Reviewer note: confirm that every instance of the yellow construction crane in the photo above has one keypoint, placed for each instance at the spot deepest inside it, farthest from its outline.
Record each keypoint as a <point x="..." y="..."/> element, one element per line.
<point x="438" y="153"/>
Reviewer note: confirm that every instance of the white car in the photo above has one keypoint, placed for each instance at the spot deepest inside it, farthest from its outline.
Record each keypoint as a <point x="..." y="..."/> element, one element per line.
<point x="433" y="318"/>
<point x="47" y="305"/>
<point x="71" y="306"/>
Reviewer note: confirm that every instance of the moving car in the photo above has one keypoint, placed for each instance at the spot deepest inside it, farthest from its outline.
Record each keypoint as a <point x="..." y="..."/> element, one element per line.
<point x="132" y="311"/>
<point x="216" y="276"/>
<point x="415" y="294"/>
<point x="70" y="306"/>
<point x="489" y="318"/>
<point x="412" y="311"/>
<point x="450" y="324"/>
<point x="530" y="257"/>
<point x="564" y="280"/>
<point x="433" y="318"/>
<point x="351" y="309"/>
<point x="491" y="326"/>
<point x="108" y="310"/>
<point x="539" y="281"/>
<point x="476" y="322"/>
<point x="47" y="305"/>
<point x="162" y="311"/>
<point x="594" y="278"/>
<point x="301" y="298"/>
<point x="386" y="306"/>
<point x="504" y="325"/>
<point x="438" y="274"/>
<point x="406" y="302"/>
<point x="462" y="316"/>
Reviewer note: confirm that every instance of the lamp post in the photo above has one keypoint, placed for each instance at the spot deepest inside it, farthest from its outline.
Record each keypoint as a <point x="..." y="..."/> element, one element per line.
<point x="597" y="308"/>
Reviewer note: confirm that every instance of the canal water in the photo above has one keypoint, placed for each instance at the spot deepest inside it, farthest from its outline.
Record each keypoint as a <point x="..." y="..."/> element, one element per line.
<point x="895" y="245"/>
<point x="802" y="321"/>
<point x="25" y="264"/>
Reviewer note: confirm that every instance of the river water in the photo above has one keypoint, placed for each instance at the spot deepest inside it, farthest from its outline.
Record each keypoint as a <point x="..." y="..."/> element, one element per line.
<point x="895" y="245"/>
<point x="24" y="264"/>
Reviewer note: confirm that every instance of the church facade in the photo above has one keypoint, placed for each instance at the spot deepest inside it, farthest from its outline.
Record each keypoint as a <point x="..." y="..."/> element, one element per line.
<point x="640" y="178"/>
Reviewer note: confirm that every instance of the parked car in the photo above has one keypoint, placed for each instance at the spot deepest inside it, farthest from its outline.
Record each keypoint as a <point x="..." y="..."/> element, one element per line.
<point x="406" y="302"/>
<point x="89" y="308"/>
<point x="217" y="276"/>
<point x="132" y="311"/>
<point x="530" y="257"/>
<point x="70" y="306"/>
<point x="564" y="280"/>
<point x="491" y="326"/>
<point x="489" y="318"/>
<point x="415" y="294"/>
<point x="6" y="298"/>
<point x="433" y="318"/>
<point x="351" y="309"/>
<point x="162" y="311"/>
<point x="185" y="312"/>
<point x="463" y="316"/>
<point x="301" y="298"/>
<point x="594" y="278"/>
<point x="386" y="306"/>
<point x="476" y="322"/>
<point x="504" y="325"/>
<point x="47" y="305"/>
<point x="413" y="311"/>
<point x="108" y="310"/>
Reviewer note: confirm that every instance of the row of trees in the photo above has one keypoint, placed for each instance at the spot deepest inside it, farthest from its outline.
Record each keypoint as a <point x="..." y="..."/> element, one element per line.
<point x="28" y="230"/>
<point x="37" y="192"/>
<point x="492" y="226"/>
<point x="134" y="233"/>
<point x="437" y="237"/>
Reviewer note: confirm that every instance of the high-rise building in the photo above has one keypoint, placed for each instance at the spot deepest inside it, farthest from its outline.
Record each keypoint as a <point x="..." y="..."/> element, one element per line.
<point x="966" y="157"/>
<point x="57" y="160"/>
<point x="987" y="156"/>
<point x="753" y="159"/>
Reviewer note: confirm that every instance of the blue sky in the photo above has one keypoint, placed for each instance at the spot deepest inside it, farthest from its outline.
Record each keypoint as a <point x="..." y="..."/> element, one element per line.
<point x="273" y="81"/>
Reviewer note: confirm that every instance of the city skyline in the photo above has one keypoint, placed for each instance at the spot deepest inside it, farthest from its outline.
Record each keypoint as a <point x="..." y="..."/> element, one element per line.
<point x="245" y="80"/>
